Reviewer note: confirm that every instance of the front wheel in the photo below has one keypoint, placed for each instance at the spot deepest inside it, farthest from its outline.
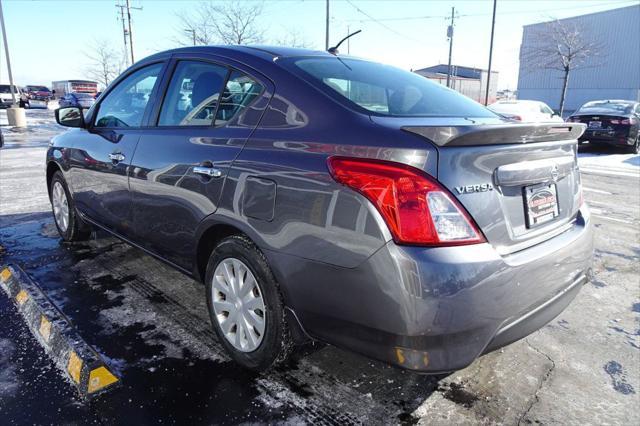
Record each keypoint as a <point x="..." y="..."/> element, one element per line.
<point x="245" y="305"/>
<point x="70" y="225"/>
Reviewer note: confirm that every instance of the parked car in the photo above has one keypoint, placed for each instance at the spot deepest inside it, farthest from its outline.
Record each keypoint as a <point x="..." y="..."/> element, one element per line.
<point x="37" y="96"/>
<point x="331" y="198"/>
<point x="6" y="98"/>
<point x="82" y="100"/>
<point x="610" y="122"/>
<point x="526" y="111"/>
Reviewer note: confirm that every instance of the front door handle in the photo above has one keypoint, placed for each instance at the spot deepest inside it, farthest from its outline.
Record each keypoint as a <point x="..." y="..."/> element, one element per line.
<point x="116" y="157"/>
<point x="207" y="171"/>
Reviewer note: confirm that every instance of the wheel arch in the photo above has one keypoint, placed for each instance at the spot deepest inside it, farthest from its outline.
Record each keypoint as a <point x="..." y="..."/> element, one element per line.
<point x="52" y="167"/>
<point x="216" y="227"/>
<point x="208" y="238"/>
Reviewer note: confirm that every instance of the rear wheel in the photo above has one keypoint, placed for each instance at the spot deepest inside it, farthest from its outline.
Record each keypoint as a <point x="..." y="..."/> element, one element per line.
<point x="245" y="305"/>
<point x="635" y="148"/>
<point x="70" y="225"/>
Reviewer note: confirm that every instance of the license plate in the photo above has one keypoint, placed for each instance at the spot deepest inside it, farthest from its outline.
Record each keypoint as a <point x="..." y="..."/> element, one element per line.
<point x="595" y="124"/>
<point x="541" y="204"/>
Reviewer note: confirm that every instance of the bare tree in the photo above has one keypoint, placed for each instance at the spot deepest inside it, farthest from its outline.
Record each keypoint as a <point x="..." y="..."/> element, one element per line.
<point x="106" y="63"/>
<point x="294" y="38"/>
<point x="560" y="46"/>
<point x="195" y="28"/>
<point x="228" y="22"/>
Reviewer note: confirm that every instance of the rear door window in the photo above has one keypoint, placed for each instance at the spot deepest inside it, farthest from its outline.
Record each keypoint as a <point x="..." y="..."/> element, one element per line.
<point x="193" y="94"/>
<point x="239" y="93"/>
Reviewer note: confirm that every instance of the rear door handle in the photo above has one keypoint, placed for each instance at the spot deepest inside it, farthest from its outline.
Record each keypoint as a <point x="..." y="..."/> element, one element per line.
<point x="207" y="171"/>
<point x="116" y="157"/>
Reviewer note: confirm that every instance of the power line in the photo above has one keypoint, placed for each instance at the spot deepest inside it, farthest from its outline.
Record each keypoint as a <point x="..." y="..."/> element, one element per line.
<point x="515" y="12"/>
<point x="371" y="18"/>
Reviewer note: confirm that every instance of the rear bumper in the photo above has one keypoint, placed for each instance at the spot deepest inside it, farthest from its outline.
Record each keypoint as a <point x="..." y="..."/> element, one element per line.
<point x="608" y="138"/>
<point x="437" y="309"/>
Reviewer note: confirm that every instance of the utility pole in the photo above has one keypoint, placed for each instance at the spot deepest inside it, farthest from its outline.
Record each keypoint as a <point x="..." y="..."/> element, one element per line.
<point x="348" y="41"/>
<point x="450" y="35"/>
<point x="15" y="116"/>
<point x="125" y="33"/>
<point x="6" y="51"/>
<point x="493" y="27"/>
<point x="193" y="34"/>
<point x="129" y="7"/>
<point x="326" y="28"/>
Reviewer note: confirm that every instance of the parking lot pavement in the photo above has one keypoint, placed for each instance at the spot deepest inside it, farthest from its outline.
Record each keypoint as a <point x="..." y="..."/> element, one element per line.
<point x="150" y="324"/>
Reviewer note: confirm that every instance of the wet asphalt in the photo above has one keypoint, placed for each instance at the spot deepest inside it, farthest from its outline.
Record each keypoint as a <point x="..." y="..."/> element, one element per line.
<point x="150" y="324"/>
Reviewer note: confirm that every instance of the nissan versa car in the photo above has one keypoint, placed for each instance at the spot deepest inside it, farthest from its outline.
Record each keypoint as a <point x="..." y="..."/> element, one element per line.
<point x="610" y="122"/>
<point x="327" y="197"/>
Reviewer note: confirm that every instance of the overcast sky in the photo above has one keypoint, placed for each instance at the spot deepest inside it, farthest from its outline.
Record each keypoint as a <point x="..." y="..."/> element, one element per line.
<point x="47" y="39"/>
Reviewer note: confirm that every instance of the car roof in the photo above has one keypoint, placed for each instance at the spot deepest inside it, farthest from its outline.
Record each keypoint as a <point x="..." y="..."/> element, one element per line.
<point x="610" y="101"/>
<point x="518" y="101"/>
<point x="264" y="51"/>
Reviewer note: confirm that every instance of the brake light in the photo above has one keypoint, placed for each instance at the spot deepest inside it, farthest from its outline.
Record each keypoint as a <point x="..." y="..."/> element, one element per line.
<point x="415" y="207"/>
<point x="626" y="121"/>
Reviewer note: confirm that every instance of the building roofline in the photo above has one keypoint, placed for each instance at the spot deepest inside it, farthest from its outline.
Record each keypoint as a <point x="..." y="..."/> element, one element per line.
<point x="586" y="14"/>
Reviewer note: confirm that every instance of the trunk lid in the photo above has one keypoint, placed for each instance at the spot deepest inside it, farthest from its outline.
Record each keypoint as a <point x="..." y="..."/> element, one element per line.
<point x="519" y="182"/>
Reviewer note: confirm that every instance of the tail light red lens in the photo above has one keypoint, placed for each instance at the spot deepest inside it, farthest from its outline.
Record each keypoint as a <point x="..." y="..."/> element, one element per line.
<point x="416" y="208"/>
<point x="626" y="121"/>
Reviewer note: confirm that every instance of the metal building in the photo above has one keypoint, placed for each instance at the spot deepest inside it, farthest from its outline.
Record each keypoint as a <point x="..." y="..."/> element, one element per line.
<point x="471" y="82"/>
<point x="615" y="74"/>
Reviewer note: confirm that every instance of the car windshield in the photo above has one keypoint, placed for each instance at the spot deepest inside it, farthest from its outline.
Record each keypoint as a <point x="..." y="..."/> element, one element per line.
<point x="382" y="89"/>
<point x="5" y="88"/>
<point x="606" y="107"/>
<point x="38" y="88"/>
<point x="83" y="95"/>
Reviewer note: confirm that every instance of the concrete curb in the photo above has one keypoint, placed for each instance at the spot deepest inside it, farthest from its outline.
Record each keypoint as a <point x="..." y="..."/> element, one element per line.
<point x="78" y="361"/>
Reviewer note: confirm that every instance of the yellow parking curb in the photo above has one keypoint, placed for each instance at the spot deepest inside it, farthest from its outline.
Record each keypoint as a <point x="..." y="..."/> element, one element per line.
<point x="74" y="357"/>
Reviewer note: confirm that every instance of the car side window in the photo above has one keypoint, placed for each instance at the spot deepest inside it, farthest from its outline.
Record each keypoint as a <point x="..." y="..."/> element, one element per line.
<point x="545" y="109"/>
<point x="193" y="93"/>
<point x="124" y="106"/>
<point x="239" y="92"/>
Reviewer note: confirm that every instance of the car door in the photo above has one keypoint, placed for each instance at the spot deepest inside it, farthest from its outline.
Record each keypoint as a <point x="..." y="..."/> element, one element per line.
<point x="208" y="111"/>
<point x="102" y="154"/>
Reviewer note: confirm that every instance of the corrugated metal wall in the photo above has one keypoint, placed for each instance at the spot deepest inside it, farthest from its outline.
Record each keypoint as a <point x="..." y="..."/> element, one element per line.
<point x="616" y="75"/>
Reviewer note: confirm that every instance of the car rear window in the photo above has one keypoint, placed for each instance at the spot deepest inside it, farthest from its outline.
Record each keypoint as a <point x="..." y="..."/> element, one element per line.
<point x="5" y="88"/>
<point x="606" y="108"/>
<point x="382" y="89"/>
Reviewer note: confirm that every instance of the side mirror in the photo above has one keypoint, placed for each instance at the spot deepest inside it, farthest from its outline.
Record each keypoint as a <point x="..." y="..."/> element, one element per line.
<point x="1" y="140"/>
<point x="70" y="117"/>
<point x="555" y="114"/>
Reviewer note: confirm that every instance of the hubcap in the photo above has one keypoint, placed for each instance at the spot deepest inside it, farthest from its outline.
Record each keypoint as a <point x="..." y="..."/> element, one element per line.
<point x="238" y="304"/>
<point x="60" y="206"/>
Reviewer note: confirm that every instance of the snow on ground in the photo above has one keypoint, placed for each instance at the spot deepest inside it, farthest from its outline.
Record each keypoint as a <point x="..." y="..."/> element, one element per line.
<point x="607" y="161"/>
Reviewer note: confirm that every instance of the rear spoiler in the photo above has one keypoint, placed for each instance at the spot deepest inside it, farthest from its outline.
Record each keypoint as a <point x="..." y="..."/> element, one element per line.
<point x="497" y="134"/>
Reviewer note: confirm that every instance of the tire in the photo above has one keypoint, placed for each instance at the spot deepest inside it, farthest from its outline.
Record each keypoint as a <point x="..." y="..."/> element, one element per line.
<point x="272" y="345"/>
<point x="635" y="148"/>
<point x="69" y="224"/>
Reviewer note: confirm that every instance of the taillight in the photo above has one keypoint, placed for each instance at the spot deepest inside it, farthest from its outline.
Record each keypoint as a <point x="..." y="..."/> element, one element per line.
<point x="415" y="207"/>
<point x="626" y="121"/>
